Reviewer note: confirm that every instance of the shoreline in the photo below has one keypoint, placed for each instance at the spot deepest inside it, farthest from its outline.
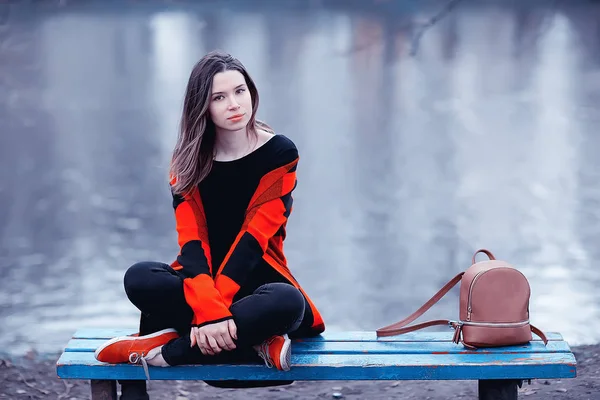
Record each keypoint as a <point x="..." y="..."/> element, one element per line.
<point x="33" y="376"/>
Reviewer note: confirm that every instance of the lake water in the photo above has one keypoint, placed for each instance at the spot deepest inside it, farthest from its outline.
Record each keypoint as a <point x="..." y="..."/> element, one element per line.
<point x="414" y="153"/>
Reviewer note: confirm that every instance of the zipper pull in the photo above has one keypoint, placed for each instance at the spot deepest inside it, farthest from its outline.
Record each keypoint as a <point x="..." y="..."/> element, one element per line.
<point x="456" y="336"/>
<point x="469" y="314"/>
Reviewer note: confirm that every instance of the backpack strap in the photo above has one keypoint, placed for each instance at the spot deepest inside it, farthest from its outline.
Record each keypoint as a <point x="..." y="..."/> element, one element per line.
<point x="398" y="327"/>
<point x="539" y="333"/>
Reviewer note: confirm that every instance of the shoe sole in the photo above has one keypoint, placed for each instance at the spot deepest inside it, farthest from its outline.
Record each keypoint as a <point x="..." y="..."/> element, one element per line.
<point x="119" y="338"/>
<point x="286" y="354"/>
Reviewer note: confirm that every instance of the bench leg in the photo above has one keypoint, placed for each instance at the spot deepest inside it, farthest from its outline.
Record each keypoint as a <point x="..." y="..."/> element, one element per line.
<point x="104" y="390"/>
<point x="500" y="389"/>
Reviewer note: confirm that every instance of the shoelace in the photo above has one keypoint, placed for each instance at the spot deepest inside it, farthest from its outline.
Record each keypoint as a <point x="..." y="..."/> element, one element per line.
<point x="264" y="353"/>
<point x="135" y="358"/>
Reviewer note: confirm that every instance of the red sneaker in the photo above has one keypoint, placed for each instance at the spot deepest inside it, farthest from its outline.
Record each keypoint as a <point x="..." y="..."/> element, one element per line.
<point x="131" y="349"/>
<point x="277" y="352"/>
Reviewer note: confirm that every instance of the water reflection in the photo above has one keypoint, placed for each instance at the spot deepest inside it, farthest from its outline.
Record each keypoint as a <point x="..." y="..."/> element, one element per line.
<point x="486" y="137"/>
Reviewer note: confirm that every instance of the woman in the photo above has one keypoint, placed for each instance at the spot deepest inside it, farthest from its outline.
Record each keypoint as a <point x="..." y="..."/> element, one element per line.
<point x="229" y="291"/>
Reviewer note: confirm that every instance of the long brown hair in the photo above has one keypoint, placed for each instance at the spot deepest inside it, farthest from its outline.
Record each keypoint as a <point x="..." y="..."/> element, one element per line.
<point x="195" y="148"/>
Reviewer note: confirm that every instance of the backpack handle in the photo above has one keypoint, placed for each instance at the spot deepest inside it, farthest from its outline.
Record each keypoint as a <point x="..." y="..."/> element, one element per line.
<point x="486" y="252"/>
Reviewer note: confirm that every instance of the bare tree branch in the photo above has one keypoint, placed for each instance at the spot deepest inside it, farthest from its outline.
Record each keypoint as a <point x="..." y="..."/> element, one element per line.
<point x="432" y="21"/>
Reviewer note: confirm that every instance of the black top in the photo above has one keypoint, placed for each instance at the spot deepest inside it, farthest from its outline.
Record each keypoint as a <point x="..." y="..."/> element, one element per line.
<point x="227" y="190"/>
<point x="226" y="195"/>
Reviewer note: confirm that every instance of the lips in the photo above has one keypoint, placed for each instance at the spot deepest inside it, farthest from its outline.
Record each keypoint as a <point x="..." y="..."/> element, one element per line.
<point x="237" y="116"/>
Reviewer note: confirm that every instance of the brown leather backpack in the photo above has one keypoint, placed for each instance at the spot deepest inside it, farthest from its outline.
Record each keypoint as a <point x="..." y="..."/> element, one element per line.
<point x="494" y="307"/>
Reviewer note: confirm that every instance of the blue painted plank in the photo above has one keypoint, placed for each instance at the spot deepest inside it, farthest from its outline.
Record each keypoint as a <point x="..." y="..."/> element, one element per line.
<point x="336" y="336"/>
<point x="440" y="347"/>
<point x="73" y="365"/>
<point x="90" y="345"/>
<point x="422" y="336"/>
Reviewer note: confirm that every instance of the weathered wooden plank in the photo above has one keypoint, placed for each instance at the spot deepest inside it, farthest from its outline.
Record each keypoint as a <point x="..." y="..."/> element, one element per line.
<point x="334" y="336"/>
<point x="75" y="365"/>
<point x="422" y="336"/>
<point x="420" y="348"/>
<point x="90" y="345"/>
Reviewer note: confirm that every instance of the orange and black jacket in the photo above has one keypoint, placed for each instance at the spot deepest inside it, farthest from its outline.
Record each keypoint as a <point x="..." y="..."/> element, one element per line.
<point x="257" y="249"/>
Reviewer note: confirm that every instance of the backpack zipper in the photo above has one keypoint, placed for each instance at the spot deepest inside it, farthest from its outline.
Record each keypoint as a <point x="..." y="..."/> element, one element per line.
<point x="471" y="293"/>
<point x="496" y="324"/>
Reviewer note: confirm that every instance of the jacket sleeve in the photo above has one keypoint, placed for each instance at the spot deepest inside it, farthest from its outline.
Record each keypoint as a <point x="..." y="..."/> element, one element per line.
<point x="193" y="262"/>
<point x="265" y="221"/>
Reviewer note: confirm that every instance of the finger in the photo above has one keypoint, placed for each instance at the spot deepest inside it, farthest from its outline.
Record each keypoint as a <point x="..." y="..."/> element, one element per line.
<point x="202" y="343"/>
<point x="213" y="344"/>
<point x="232" y="329"/>
<point x="228" y="341"/>
<point x="192" y="338"/>
<point x="203" y="350"/>
<point x="199" y="338"/>
<point x="221" y="342"/>
<point x="204" y="347"/>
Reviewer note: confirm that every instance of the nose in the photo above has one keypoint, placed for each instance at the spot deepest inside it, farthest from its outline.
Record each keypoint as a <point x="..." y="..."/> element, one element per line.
<point x="233" y="105"/>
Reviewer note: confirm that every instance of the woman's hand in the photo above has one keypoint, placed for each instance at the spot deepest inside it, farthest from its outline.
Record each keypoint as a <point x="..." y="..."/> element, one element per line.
<point x="213" y="338"/>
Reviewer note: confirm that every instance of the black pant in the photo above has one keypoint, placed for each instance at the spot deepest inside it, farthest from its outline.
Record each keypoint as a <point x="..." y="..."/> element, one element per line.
<point x="157" y="291"/>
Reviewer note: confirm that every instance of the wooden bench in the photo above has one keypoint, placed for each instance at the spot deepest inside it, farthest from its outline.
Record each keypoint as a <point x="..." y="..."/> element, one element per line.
<point x="346" y="356"/>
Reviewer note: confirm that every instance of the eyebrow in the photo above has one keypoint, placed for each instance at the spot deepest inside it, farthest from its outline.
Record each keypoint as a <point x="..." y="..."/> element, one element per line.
<point x="237" y="87"/>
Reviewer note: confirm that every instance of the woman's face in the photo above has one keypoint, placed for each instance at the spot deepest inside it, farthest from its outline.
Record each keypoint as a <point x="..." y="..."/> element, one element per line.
<point x="230" y="102"/>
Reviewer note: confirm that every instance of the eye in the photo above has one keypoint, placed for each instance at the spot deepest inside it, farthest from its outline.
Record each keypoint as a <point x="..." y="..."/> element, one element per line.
<point x="240" y="90"/>
<point x="217" y="98"/>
